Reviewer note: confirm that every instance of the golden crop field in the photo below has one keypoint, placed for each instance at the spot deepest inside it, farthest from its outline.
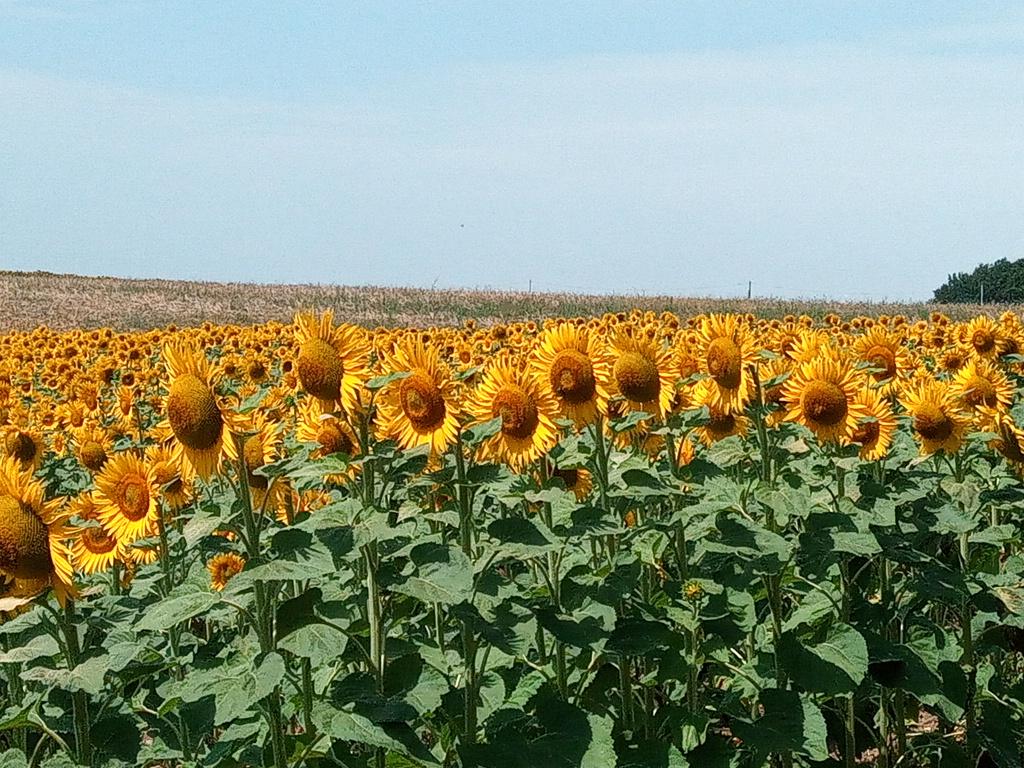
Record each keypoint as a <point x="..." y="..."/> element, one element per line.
<point x="638" y="538"/>
<point x="67" y="302"/>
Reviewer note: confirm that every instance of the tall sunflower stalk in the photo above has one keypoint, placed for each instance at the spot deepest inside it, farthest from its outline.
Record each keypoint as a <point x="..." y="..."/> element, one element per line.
<point x="265" y="600"/>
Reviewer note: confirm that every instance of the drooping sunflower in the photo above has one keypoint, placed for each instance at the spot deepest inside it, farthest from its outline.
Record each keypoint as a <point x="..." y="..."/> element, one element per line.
<point x="26" y="446"/>
<point x="93" y="549"/>
<point x="822" y="395"/>
<point x="721" y="423"/>
<point x="127" y="498"/>
<point x="92" y="447"/>
<point x="526" y="410"/>
<point x="33" y="536"/>
<point x="333" y="361"/>
<point x="642" y="374"/>
<point x="875" y="429"/>
<point x="573" y="366"/>
<point x="261" y="447"/>
<point x="981" y="383"/>
<point x="936" y="419"/>
<point x="223" y="567"/>
<point x="1010" y="440"/>
<point x="329" y="430"/>
<point x="773" y="374"/>
<point x="172" y="479"/>
<point x="195" y="420"/>
<point x="423" y="408"/>
<point x="576" y="479"/>
<point x="885" y="354"/>
<point x="727" y="352"/>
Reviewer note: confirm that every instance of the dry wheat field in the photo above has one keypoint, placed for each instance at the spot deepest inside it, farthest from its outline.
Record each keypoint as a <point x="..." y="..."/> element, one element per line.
<point x="505" y="531"/>
<point x="65" y="302"/>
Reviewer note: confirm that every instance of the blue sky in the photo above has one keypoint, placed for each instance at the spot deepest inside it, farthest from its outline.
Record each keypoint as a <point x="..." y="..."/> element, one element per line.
<point x="845" y="149"/>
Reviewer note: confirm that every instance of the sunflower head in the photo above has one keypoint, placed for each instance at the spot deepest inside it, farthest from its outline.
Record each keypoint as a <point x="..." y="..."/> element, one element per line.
<point x="127" y="498"/>
<point x="194" y="417"/>
<point x="573" y="367"/>
<point x="642" y="374"/>
<point x="875" y="428"/>
<point x="421" y="408"/>
<point x="333" y="361"/>
<point x="526" y="410"/>
<point x="727" y="356"/>
<point x="223" y="567"/>
<point x="936" y="419"/>
<point x="820" y="394"/>
<point x="33" y="533"/>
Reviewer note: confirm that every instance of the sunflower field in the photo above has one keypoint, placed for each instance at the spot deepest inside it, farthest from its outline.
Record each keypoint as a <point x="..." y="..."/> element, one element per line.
<point x="634" y="540"/>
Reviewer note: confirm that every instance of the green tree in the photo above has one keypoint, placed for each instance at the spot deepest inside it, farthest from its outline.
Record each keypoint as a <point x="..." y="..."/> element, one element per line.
<point x="1003" y="282"/>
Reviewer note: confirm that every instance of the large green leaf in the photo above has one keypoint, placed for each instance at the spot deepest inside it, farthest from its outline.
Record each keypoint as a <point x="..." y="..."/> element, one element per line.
<point x="790" y="723"/>
<point x="833" y="666"/>
<point x="442" y="574"/>
<point x="175" y="610"/>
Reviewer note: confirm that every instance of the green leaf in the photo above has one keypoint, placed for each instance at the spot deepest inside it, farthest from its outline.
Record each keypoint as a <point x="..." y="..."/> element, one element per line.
<point x="480" y="432"/>
<point x="87" y="676"/>
<point x="174" y="610"/>
<point x="833" y="666"/>
<point x="379" y="382"/>
<point x="40" y="646"/>
<point x="319" y="643"/>
<point x="790" y="723"/>
<point x="443" y="574"/>
<point x="13" y="758"/>
<point x="634" y="636"/>
<point x="521" y="538"/>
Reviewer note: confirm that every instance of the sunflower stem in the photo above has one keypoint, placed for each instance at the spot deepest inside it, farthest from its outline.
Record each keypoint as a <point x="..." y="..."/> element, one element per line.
<point x="469" y="645"/>
<point x="264" y="604"/>
<point x="80" y="699"/>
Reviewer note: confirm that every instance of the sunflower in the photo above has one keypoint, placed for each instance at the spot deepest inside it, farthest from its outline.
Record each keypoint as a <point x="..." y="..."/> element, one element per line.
<point x="875" y="429"/>
<point x="821" y="395"/>
<point x="806" y="344"/>
<point x="727" y="352"/>
<point x="884" y="353"/>
<point x="223" y="568"/>
<point x="642" y="374"/>
<point x="953" y="358"/>
<point x="571" y="364"/>
<point x="772" y="375"/>
<point x="195" y="420"/>
<point x="576" y="479"/>
<point x="33" y="535"/>
<point x="92" y="447"/>
<point x="721" y="423"/>
<point x="26" y="446"/>
<point x="261" y="447"/>
<point x="173" y="481"/>
<point x="127" y="498"/>
<point x="333" y="362"/>
<point x="686" y="450"/>
<point x="422" y="408"/>
<point x="981" y="383"/>
<point x="935" y="416"/>
<point x="984" y="337"/>
<point x="93" y="549"/>
<point x="330" y="433"/>
<point x="527" y="413"/>
<point x="1010" y="440"/>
